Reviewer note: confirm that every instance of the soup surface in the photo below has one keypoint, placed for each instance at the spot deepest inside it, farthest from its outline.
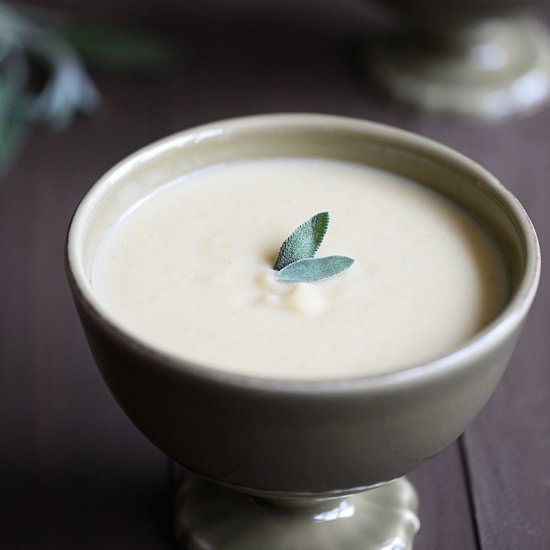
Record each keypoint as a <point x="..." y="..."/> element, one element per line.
<point x="188" y="270"/>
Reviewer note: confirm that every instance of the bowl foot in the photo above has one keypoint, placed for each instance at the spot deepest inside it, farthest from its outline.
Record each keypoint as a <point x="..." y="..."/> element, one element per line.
<point x="488" y="69"/>
<point x="209" y="516"/>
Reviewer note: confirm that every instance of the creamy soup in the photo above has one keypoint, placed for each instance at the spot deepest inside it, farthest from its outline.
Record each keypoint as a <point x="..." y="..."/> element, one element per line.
<point x="188" y="270"/>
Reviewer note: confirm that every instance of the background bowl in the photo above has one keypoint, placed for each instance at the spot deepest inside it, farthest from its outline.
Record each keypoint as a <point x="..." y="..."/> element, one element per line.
<point x="488" y="59"/>
<point x="302" y="437"/>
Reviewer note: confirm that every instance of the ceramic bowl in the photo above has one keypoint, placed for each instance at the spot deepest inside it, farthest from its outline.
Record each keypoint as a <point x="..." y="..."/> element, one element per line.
<point x="302" y="437"/>
<point x="488" y="59"/>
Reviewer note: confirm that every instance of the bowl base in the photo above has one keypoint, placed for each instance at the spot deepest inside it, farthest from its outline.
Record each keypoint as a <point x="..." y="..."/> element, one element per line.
<point x="487" y="69"/>
<point x="210" y="516"/>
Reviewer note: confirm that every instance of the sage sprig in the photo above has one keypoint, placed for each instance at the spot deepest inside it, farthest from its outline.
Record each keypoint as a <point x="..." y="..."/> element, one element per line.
<point x="65" y="91"/>
<point x="52" y="45"/>
<point x="296" y="262"/>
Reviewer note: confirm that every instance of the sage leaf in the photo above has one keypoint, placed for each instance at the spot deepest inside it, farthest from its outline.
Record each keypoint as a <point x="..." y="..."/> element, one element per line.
<point x="65" y="88"/>
<point x="13" y="105"/>
<point x="119" y="49"/>
<point x="304" y="241"/>
<point x="309" y="270"/>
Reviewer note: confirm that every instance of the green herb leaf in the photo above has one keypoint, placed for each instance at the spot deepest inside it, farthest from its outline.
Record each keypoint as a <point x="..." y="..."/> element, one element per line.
<point x="304" y="241"/>
<point x="310" y="270"/>
<point x="122" y="50"/>
<point x="62" y="89"/>
<point x="296" y="262"/>
<point x="13" y="105"/>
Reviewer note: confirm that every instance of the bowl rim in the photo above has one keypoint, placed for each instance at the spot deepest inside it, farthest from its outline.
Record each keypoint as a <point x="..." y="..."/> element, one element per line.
<point x="504" y="324"/>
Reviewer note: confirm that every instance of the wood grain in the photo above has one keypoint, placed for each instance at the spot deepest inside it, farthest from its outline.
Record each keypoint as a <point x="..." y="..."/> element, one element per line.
<point x="74" y="472"/>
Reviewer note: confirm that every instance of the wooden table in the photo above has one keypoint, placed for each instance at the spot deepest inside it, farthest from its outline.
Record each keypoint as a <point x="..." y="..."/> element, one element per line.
<point x="74" y="473"/>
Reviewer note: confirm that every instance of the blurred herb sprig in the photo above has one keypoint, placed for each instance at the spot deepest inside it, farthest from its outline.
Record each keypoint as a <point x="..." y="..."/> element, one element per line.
<point x="42" y="72"/>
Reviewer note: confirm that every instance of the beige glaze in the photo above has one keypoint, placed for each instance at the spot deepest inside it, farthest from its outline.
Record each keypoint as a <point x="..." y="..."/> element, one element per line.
<point x="188" y="270"/>
<point x="290" y="437"/>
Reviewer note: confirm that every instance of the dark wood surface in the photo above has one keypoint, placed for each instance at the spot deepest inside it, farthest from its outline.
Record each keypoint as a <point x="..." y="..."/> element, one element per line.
<point x="74" y="473"/>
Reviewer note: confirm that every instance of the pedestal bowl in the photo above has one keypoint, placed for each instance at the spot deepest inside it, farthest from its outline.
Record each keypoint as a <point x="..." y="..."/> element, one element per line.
<point x="488" y="59"/>
<point x="308" y="464"/>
